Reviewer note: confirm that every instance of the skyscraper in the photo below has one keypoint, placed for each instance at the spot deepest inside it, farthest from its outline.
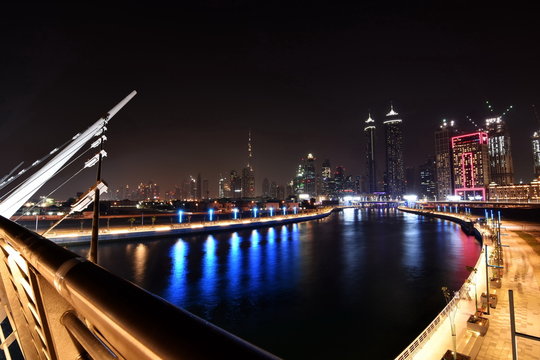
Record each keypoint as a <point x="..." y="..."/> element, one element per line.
<point x="370" y="154"/>
<point x="428" y="179"/>
<point x="266" y="188"/>
<point x="248" y="175"/>
<point x="310" y="176"/>
<point x="443" y="159"/>
<point x="395" y="172"/>
<point x="199" y="193"/>
<point x="470" y="161"/>
<point x="236" y="185"/>
<point x="500" y="155"/>
<point x="326" y="178"/>
<point x="536" y="152"/>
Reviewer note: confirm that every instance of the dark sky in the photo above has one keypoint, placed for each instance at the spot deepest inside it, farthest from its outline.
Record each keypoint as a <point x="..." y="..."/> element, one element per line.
<point x="302" y="77"/>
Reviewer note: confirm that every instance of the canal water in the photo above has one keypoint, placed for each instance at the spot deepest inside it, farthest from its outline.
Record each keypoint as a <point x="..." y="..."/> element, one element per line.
<point x="358" y="284"/>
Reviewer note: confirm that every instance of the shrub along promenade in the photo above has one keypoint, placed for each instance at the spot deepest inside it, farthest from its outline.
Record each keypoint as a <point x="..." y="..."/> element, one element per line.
<point x="75" y="236"/>
<point x="520" y="272"/>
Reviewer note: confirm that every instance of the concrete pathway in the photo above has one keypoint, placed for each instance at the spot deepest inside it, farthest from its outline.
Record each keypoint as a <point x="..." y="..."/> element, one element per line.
<point x="522" y="275"/>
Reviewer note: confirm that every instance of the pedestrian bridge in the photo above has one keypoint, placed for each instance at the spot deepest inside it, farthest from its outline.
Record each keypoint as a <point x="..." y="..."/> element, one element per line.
<point x="57" y="305"/>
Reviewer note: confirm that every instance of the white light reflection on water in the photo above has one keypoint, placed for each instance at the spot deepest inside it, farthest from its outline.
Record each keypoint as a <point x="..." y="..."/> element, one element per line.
<point x="234" y="268"/>
<point x="176" y="290"/>
<point x="209" y="277"/>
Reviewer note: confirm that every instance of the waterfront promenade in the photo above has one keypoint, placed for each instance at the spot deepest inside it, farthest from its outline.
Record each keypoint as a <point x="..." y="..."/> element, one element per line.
<point x="75" y="236"/>
<point x="521" y="273"/>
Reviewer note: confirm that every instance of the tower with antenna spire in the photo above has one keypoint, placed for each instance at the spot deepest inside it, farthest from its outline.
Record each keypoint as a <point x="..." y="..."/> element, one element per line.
<point x="248" y="175"/>
<point x="370" y="154"/>
<point x="394" y="181"/>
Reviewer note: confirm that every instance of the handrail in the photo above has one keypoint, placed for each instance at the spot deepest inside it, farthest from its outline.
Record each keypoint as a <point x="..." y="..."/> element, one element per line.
<point x="135" y="323"/>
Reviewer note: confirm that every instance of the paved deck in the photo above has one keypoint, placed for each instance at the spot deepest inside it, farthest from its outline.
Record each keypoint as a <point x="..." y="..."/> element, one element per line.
<point x="522" y="275"/>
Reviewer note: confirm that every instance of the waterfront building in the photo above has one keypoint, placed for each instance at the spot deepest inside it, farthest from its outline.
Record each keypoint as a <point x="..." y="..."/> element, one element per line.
<point x="411" y="180"/>
<point x="443" y="159"/>
<point x="205" y="189"/>
<point x="515" y="192"/>
<point x="223" y="187"/>
<point x="428" y="179"/>
<point x="536" y="152"/>
<point x="339" y="180"/>
<point x="326" y="178"/>
<point x="501" y="166"/>
<point x="273" y="190"/>
<point x="198" y="194"/>
<point x="266" y="188"/>
<point x="310" y="176"/>
<point x="248" y="175"/>
<point x="395" y="172"/>
<point x="298" y="181"/>
<point x="370" y="154"/>
<point x="470" y="162"/>
<point x="192" y="188"/>
<point x="236" y="185"/>
<point x="149" y="191"/>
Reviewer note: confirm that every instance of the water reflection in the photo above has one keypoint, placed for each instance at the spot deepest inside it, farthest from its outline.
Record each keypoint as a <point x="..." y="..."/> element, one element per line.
<point x="176" y="291"/>
<point x="307" y="290"/>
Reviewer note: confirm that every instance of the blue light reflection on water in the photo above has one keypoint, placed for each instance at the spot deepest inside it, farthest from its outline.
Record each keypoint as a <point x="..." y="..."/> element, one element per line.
<point x="305" y="290"/>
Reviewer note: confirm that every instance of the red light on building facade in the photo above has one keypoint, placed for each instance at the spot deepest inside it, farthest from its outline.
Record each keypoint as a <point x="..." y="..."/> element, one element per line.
<point x="470" y="165"/>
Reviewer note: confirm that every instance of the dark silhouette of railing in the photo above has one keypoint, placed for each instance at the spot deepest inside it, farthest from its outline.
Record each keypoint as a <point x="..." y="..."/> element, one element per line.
<point x="65" y="307"/>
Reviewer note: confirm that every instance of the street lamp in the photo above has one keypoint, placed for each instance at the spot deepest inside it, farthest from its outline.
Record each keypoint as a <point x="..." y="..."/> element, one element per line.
<point x="271" y="211"/>
<point x="254" y="212"/>
<point x="284" y="210"/>
<point x="295" y="210"/>
<point x="180" y="215"/>
<point x="235" y="213"/>
<point x="211" y="214"/>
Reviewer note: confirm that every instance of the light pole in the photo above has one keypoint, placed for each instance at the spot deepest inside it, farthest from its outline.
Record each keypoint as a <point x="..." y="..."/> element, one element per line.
<point x="254" y="212"/>
<point x="180" y="215"/>
<point x="211" y="215"/>
<point x="451" y="317"/>
<point x="235" y="213"/>
<point x="284" y="210"/>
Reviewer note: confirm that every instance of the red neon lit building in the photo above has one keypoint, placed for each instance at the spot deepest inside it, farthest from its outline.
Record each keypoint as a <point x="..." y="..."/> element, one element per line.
<point x="470" y="161"/>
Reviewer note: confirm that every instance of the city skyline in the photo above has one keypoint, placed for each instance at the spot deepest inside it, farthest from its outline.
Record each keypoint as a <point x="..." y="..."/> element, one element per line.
<point x="303" y="79"/>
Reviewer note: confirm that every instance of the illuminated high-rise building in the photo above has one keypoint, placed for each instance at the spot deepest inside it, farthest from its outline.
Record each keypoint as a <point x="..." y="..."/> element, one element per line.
<point x="310" y="176"/>
<point x="536" y="152"/>
<point x="236" y="185"/>
<point x="370" y="154"/>
<point x="395" y="171"/>
<point x="428" y="179"/>
<point x="224" y="187"/>
<point x="248" y="175"/>
<point x="199" y="193"/>
<point x="192" y="188"/>
<point x="443" y="159"/>
<point x="501" y="166"/>
<point x="266" y="188"/>
<point x="326" y="178"/>
<point x="470" y="162"/>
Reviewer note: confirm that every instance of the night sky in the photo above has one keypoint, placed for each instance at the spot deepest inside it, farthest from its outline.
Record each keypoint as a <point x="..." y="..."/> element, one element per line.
<point x="302" y="77"/>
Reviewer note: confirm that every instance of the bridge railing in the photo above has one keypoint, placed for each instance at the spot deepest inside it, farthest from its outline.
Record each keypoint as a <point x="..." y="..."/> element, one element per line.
<point x="64" y="307"/>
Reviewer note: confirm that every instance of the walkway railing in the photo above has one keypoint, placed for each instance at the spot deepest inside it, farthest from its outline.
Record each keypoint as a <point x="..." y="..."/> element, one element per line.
<point x="64" y="307"/>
